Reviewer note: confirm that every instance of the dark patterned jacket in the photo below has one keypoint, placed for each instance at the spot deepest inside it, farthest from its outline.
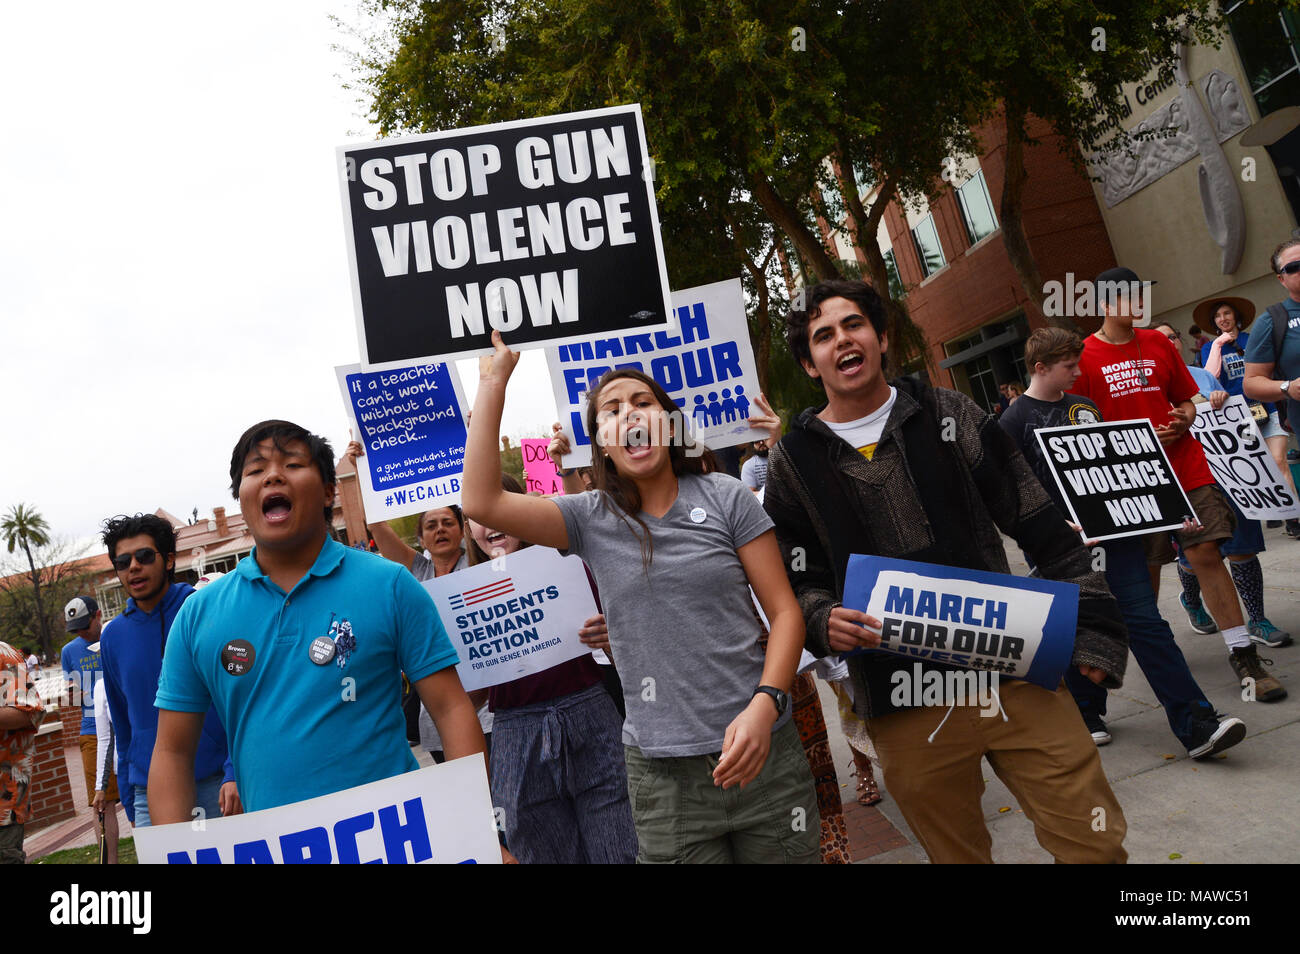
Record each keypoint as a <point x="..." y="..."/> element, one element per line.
<point x="946" y="507"/>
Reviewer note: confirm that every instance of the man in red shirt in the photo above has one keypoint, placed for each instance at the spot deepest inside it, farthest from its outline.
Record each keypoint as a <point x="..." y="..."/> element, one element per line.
<point x="1134" y="372"/>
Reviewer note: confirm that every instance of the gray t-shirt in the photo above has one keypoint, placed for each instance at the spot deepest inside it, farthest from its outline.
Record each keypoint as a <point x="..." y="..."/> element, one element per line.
<point x="684" y="633"/>
<point x="422" y="566"/>
<point x="753" y="473"/>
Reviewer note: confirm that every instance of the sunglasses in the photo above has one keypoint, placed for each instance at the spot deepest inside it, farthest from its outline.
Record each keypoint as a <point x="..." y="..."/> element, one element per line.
<point x="1290" y="268"/>
<point x="144" y="556"/>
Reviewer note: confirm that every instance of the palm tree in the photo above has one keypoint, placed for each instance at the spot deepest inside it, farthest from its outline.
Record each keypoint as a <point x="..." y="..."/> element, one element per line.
<point x="24" y="526"/>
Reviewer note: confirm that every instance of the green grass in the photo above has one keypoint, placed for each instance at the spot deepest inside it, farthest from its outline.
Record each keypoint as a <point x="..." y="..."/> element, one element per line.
<point x="89" y="855"/>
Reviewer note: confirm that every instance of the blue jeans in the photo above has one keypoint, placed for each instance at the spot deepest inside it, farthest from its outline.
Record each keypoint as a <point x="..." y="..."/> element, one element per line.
<point x="1152" y="642"/>
<point x="207" y="796"/>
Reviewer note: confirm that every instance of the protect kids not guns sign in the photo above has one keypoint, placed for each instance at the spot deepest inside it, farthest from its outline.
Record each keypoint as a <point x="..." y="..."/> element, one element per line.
<point x="1241" y="462"/>
<point x="441" y="814"/>
<point x="514" y="616"/>
<point x="1115" y="478"/>
<point x="544" y="229"/>
<point x="1020" y="627"/>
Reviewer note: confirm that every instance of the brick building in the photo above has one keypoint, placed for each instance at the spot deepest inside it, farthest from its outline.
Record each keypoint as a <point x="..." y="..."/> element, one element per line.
<point x="949" y="259"/>
<point x="1145" y="207"/>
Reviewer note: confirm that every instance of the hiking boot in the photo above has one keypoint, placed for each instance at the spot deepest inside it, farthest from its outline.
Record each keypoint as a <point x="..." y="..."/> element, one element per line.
<point x="1201" y="620"/>
<point x="1212" y="733"/>
<point x="1267" y="634"/>
<point x="1249" y="667"/>
<point x="1096" y="728"/>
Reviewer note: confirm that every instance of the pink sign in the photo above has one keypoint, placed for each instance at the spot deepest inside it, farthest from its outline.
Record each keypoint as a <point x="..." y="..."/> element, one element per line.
<point x="540" y="474"/>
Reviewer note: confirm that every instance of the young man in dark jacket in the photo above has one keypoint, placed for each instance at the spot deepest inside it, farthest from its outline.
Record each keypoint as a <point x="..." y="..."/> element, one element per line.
<point x="918" y="473"/>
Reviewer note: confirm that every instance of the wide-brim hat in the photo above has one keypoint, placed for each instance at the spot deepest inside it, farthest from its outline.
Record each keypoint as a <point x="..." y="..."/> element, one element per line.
<point x="1203" y="314"/>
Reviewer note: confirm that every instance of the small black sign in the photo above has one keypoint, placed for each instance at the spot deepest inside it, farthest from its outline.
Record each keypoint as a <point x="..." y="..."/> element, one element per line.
<point x="1115" y="478"/>
<point x="238" y="657"/>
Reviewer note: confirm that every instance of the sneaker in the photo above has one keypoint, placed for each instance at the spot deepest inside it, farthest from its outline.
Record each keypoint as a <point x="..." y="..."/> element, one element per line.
<point x="1201" y="621"/>
<point x="1293" y="528"/>
<point x="1248" y="664"/>
<point x="1097" y="728"/>
<point x="1272" y="524"/>
<point x="1213" y="733"/>
<point x="1267" y="634"/>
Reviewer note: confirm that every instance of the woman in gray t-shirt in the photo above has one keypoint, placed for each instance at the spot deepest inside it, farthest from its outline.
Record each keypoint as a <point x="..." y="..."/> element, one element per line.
<point x="715" y="770"/>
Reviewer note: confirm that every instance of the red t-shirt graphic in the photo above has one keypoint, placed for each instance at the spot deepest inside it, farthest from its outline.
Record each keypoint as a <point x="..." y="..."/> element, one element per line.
<point x="1110" y="377"/>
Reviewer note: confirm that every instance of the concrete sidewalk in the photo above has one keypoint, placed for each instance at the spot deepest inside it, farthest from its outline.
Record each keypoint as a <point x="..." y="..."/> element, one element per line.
<point x="1240" y="808"/>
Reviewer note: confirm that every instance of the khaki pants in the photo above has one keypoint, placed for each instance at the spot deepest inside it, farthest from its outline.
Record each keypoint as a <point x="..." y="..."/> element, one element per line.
<point x="1043" y="753"/>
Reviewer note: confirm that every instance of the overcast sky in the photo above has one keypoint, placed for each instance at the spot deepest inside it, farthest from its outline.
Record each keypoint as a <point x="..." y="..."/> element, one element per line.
<point x="172" y="264"/>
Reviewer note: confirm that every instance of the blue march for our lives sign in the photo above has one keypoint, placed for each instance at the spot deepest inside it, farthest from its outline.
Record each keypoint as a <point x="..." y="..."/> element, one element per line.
<point x="411" y="422"/>
<point x="706" y="365"/>
<point x="1020" y="627"/>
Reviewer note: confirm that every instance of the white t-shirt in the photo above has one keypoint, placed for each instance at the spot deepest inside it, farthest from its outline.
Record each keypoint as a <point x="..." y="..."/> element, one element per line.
<point x="864" y="433"/>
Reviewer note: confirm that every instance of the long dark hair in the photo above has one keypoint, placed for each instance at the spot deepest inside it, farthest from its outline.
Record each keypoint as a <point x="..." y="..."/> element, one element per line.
<point x="473" y="552"/>
<point x="622" y="492"/>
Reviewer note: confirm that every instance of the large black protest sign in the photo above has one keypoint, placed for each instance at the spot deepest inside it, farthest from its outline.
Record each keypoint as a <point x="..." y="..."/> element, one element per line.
<point x="1115" y="478"/>
<point x="544" y="229"/>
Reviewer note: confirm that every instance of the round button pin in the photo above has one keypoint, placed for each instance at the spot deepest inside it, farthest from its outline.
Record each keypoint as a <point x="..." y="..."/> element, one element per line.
<point x="698" y="515"/>
<point x="237" y="657"/>
<point x="321" y="650"/>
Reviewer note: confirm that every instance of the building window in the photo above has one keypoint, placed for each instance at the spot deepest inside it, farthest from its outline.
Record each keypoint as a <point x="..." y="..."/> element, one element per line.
<point x="992" y="355"/>
<point x="928" y="249"/>
<point x="1266" y="40"/>
<point x="111" y="599"/>
<point x="896" y="290"/>
<point x="977" y="208"/>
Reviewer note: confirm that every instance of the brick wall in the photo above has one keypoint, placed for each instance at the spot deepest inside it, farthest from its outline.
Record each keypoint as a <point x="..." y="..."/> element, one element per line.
<point x="1061" y="220"/>
<point x="71" y="716"/>
<point x="51" y="797"/>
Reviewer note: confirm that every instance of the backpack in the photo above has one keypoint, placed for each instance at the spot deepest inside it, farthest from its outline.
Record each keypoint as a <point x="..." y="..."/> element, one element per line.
<point x="1280" y="320"/>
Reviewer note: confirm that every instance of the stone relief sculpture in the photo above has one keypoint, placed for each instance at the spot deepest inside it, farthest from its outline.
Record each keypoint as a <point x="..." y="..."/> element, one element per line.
<point x="1227" y="105"/>
<point x="1177" y="132"/>
<point x="1129" y="170"/>
<point x="1225" y="215"/>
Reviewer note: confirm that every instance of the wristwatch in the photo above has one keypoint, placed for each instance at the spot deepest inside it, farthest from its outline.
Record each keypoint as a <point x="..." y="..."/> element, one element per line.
<point x="781" y="699"/>
<point x="1286" y="387"/>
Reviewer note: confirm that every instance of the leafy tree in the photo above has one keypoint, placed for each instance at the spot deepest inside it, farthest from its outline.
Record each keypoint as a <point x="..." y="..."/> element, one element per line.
<point x="1063" y="61"/>
<point x="742" y="100"/>
<point x="56" y="571"/>
<point x="23" y="526"/>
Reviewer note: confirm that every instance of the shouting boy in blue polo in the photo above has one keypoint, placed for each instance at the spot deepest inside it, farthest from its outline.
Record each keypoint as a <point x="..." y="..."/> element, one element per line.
<point x="301" y="648"/>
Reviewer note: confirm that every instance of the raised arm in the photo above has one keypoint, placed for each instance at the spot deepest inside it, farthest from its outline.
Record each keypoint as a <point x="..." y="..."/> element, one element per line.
<point x="534" y="519"/>
<point x="556" y="450"/>
<point x="391" y="546"/>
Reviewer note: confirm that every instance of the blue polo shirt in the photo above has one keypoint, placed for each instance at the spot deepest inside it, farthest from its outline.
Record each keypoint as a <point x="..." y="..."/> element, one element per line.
<point x="297" y="729"/>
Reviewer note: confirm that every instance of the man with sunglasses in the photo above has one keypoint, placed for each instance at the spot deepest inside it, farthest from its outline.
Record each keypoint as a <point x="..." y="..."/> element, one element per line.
<point x="143" y="551"/>
<point x="1271" y="372"/>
